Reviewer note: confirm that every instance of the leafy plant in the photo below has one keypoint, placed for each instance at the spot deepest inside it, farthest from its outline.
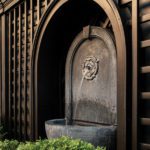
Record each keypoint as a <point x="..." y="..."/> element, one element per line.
<point x="2" y="132"/>
<point x="63" y="143"/>
<point x="9" y="145"/>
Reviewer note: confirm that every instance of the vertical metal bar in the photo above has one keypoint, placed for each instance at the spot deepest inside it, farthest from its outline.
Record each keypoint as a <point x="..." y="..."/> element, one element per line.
<point x="38" y="10"/>
<point x="0" y="69"/>
<point x="135" y="74"/>
<point x="36" y="107"/>
<point x="15" y="97"/>
<point x="31" y="7"/>
<point x="3" y="68"/>
<point x="31" y="101"/>
<point x="46" y="3"/>
<point x="20" y="45"/>
<point x="10" y="72"/>
<point x="25" y="71"/>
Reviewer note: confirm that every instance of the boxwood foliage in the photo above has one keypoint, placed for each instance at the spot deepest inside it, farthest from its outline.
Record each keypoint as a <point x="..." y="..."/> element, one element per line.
<point x="62" y="143"/>
<point x="2" y="132"/>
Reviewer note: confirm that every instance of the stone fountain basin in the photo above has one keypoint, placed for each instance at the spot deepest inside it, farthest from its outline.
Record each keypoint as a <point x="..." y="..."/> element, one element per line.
<point x="97" y="135"/>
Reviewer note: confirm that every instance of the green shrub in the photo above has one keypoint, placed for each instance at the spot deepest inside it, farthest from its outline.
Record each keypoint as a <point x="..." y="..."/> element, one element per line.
<point x="63" y="143"/>
<point x="2" y="133"/>
<point x="9" y="145"/>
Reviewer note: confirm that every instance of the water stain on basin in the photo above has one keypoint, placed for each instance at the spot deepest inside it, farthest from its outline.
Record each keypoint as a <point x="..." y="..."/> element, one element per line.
<point x="97" y="135"/>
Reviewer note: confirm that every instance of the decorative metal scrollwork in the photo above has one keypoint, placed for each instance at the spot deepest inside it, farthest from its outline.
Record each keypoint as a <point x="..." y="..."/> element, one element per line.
<point x="90" y="68"/>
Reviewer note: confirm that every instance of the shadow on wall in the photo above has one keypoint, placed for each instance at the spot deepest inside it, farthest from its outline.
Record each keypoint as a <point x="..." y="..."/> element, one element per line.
<point x="68" y="21"/>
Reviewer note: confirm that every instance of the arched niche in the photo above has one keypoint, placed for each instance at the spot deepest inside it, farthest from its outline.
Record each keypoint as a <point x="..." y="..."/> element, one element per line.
<point x="62" y="21"/>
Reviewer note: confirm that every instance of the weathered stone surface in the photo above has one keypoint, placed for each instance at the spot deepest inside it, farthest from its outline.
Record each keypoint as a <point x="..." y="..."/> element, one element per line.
<point x="91" y="78"/>
<point x="97" y="135"/>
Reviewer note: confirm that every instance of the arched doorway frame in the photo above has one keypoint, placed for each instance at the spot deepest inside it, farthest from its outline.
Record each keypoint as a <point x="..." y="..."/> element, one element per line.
<point x="112" y="12"/>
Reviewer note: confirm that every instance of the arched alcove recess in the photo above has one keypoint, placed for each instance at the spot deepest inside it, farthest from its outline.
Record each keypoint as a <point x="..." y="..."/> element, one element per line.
<point x="62" y="21"/>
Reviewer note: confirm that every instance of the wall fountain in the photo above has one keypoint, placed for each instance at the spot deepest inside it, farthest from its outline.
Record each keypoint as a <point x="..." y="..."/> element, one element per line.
<point x="90" y="90"/>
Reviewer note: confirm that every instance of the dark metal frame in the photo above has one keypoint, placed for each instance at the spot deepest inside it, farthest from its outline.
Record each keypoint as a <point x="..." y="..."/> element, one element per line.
<point x="16" y="23"/>
<point x="138" y="96"/>
<point x="3" y="113"/>
<point x="135" y="74"/>
<point x="0" y="70"/>
<point x="9" y="8"/>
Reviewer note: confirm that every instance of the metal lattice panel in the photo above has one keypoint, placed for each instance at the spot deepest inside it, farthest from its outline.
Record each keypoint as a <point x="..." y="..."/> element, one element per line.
<point x="19" y="23"/>
<point x="22" y="24"/>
